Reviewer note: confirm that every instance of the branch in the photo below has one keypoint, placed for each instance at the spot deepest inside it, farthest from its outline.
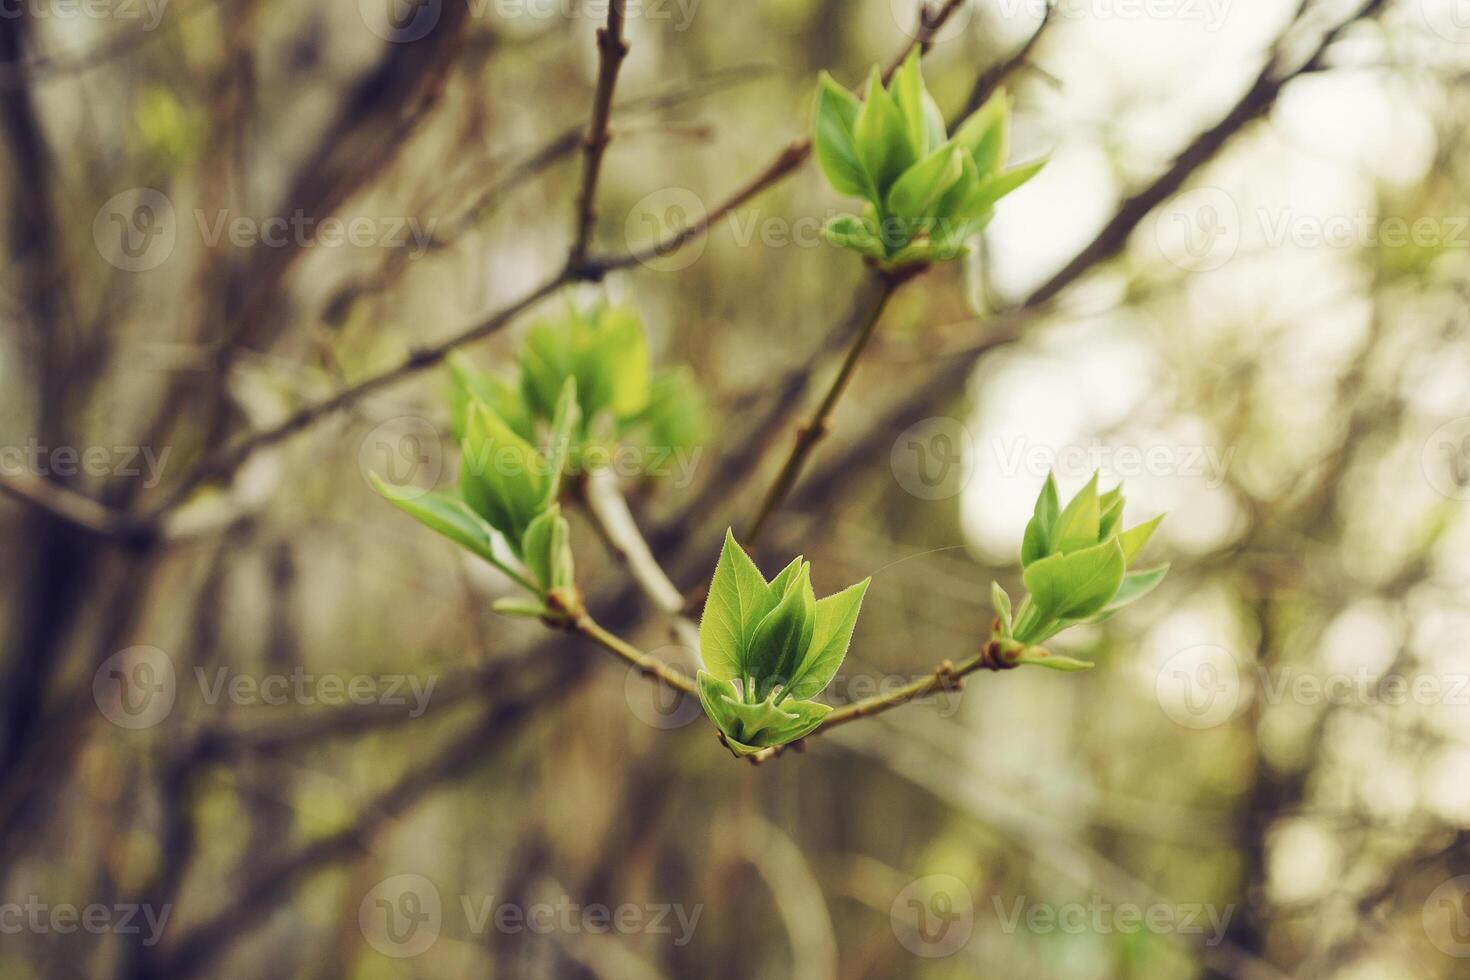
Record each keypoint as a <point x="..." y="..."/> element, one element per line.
<point x="74" y="508"/>
<point x="613" y="48"/>
<point x="223" y="462"/>
<point x="614" y="522"/>
<point x="866" y="312"/>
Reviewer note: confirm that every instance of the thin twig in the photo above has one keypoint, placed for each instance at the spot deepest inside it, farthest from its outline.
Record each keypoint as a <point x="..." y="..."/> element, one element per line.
<point x="612" y="48"/>
<point x="866" y="312"/>
<point x="75" y="508"/>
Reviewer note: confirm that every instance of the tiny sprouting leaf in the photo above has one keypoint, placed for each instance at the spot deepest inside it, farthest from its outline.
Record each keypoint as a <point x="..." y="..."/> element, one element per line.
<point x="836" y="617"/>
<point x="783" y="634"/>
<point x="1077" y="527"/>
<point x="737" y="597"/>
<point x="1037" y="542"/>
<point x="836" y="146"/>
<point x="922" y="185"/>
<point x="882" y="138"/>
<point x="1002" y="603"/>
<point x="1075" y="585"/>
<point x="1134" y="539"/>
<point x="983" y="135"/>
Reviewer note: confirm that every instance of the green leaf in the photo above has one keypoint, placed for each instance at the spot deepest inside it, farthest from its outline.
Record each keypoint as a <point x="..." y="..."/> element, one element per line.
<point x="748" y="728"/>
<point x="1078" y="525"/>
<point x="1002" y="604"/>
<point x="536" y="545"/>
<point x="563" y="574"/>
<point x="622" y="357"/>
<point x="469" y="385"/>
<point x="921" y="187"/>
<point x="783" y="635"/>
<point x="1037" y="542"/>
<point x="836" y="147"/>
<point x="1135" y="586"/>
<point x="907" y="90"/>
<point x="676" y="415"/>
<point x="836" y="617"/>
<point x="547" y="360"/>
<point x="992" y="189"/>
<point x="559" y="445"/>
<point x="451" y="517"/>
<point x="882" y="141"/>
<point x="524" y="608"/>
<point x="850" y="231"/>
<point x="1039" y="657"/>
<point x="737" y="599"/>
<point x="983" y="136"/>
<point x="934" y="128"/>
<point x="502" y="476"/>
<point x="1076" y="585"/>
<point x="1111" y="506"/>
<point x="1134" y="539"/>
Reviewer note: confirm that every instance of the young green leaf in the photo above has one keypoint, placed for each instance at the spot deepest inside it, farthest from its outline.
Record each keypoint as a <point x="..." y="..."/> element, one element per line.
<point x="559" y="446"/>
<point x="451" y="517"/>
<point x="1002" y="604"/>
<point x="783" y="635"/>
<point x="983" y="135"/>
<point x="1078" y="525"/>
<point x="850" y="231"/>
<point x="993" y="188"/>
<point x="907" y="90"/>
<point x="536" y="547"/>
<point x="836" y="617"/>
<point x="920" y="187"/>
<point x="836" y="147"/>
<point x="738" y="595"/>
<point x="1037" y="543"/>
<point x="1075" y="585"/>
<point x="622" y="357"/>
<point x="1134" y="539"/>
<point x="523" y="608"/>
<point x="882" y="140"/>
<point x="1135" y="586"/>
<point x="501" y="475"/>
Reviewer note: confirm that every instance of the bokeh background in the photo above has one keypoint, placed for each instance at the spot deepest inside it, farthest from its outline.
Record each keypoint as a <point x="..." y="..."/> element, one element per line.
<point x="263" y="725"/>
